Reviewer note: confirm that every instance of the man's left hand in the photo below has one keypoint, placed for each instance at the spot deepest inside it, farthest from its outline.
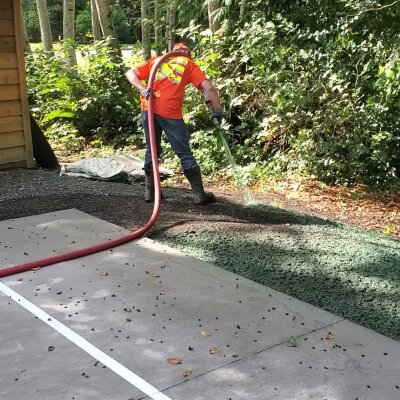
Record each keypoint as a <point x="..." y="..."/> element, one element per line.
<point x="145" y="93"/>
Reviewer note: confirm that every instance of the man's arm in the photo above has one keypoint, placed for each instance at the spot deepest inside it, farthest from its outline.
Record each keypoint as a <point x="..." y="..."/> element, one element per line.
<point x="211" y="94"/>
<point x="134" y="80"/>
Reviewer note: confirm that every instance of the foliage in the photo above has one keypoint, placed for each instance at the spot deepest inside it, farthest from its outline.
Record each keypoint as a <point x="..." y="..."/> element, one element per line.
<point x="83" y="25"/>
<point x="32" y="25"/>
<point x="94" y="102"/>
<point x="123" y="30"/>
<point x="310" y="87"/>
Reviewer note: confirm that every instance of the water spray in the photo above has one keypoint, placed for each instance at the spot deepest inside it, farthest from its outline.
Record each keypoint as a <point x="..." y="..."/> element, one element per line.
<point x="237" y="172"/>
<point x="240" y="180"/>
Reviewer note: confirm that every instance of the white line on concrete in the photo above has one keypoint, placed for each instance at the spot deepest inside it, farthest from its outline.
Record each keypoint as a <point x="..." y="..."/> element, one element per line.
<point x="106" y="360"/>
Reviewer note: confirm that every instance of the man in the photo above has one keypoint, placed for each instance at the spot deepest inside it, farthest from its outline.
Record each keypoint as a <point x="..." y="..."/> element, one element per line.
<point x="168" y="92"/>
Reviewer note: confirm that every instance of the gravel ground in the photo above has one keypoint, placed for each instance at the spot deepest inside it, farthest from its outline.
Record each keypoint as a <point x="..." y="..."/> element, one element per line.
<point x="353" y="273"/>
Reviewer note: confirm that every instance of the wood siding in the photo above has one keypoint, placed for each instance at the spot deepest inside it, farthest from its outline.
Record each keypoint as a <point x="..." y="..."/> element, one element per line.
<point x="15" y="133"/>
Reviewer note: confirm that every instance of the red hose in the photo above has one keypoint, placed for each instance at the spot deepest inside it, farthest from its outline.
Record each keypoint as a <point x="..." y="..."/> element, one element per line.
<point x="131" y="236"/>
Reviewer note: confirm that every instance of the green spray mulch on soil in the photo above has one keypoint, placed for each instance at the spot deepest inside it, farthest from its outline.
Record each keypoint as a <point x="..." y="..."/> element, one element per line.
<point x="352" y="273"/>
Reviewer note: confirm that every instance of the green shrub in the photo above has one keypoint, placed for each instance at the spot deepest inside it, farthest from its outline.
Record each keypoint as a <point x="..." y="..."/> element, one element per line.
<point x="95" y="100"/>
<point x="83" y="27"/>
<point x="32" y="25"/>
<point x="313" y="93"/>
<point x="310" y="87"/>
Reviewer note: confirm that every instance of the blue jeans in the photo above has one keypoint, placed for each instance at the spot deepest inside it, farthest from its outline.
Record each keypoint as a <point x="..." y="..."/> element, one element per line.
<point x="177" y="134"/>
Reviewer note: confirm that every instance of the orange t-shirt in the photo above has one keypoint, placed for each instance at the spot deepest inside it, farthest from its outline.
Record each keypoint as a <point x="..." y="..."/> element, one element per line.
<point x="169" y="85"/>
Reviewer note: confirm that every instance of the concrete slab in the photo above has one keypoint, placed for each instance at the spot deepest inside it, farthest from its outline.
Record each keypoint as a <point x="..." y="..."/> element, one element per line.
<point x="28" y="239"/>
<point x="143" y="303"/>
<point x="358" y="364"/>
<point x="38" y="363"/>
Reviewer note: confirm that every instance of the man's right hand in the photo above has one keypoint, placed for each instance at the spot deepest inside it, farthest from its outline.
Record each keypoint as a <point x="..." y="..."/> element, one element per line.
<point x="145" y="93"/>
<point x="217" y="116"/>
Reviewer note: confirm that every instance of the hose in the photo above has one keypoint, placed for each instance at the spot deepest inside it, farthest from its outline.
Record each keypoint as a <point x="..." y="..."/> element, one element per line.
<point x="131" y="236"/>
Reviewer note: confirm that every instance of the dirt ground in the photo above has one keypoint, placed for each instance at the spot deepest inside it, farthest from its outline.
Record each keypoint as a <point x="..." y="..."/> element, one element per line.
<point x="378" y="212"/>
<point x="28" y="192"/>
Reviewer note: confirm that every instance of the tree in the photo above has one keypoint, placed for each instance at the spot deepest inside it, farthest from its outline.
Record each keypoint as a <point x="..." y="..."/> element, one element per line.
<point x="146" y="28"/>
<point x="96" y="28"/>
<point x="27" y="46"/>
<point x="213" y="20"/>
<point x="107" y="29"/>
<point x="171" y="24"/>
<point x="69" y="31"/>
<point x="157" y="26"/>
<point x="45" y="29"/>
<point x="242" y="14"/>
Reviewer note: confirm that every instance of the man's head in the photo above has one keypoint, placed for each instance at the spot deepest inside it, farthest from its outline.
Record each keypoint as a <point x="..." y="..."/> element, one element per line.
<point x="183" y="49"/>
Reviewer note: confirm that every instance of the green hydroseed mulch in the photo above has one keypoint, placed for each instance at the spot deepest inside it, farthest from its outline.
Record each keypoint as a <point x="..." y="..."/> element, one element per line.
<point x="349" y="272"/>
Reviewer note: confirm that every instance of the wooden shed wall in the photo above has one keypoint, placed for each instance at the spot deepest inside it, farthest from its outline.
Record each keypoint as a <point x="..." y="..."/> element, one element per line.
<point x="15" y="133"/>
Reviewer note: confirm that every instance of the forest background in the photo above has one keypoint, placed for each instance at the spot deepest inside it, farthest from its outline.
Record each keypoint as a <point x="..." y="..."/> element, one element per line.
<point x="311" y="88"/>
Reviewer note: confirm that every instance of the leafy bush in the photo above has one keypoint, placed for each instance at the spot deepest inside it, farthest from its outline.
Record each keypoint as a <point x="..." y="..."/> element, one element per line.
<point x="310" y="87"/>
<point x="107" y="106"/>
<point x="95" y="101"/>
<point x="83" y="26"/>
<point x="32" y="25"/>
<point x="123" y="30"/>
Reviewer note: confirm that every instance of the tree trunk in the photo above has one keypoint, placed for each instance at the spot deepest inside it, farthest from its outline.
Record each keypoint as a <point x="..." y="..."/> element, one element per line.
<point x="243" y="10"/>
<point x="27" y="46"/>
<point x="45" y="29"/>
<point x="146" y="28"/>
<point x="171" y="23"/>
<point x="69" y="31"/>
<point x="96" y="28"/>
<point x="213" y="22"/>
<point x="107" y="29"/>
<point x="157" y="26"/>
<point x="167" y="27"/>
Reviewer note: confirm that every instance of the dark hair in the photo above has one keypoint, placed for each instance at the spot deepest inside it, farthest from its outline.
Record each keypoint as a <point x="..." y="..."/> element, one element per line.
<point x="182" y="48"/>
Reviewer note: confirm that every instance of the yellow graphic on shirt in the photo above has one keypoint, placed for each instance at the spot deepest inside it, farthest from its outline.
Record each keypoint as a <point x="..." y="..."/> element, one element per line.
<point x="173" y="69"/>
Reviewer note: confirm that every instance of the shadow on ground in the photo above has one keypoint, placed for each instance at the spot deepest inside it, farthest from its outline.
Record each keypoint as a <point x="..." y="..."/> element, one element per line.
<point x="349" y="272"/>
<point x="352" y="273"/>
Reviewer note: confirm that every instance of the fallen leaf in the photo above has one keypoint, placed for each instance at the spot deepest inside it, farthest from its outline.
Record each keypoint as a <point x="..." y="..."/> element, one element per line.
<point x="205" y="333"/>
<point x="293" y="195"/>
<point x="103" y="273"/>
<point x="276" y="204"/>
<point x="330" y="336"/>
<point x="213" y="350"/>
<point x="174" y="361"/>
<point x="187" y="373"/>
<point x="390" y="230"/>
<point x="291" y="342"/>
<point x="296" y="186"/>
<point x="153" y="274"/>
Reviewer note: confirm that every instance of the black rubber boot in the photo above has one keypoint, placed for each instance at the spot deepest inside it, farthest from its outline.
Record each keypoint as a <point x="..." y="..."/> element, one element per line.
<point x="149" y="183"/>
<point x="201" y="197"/>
